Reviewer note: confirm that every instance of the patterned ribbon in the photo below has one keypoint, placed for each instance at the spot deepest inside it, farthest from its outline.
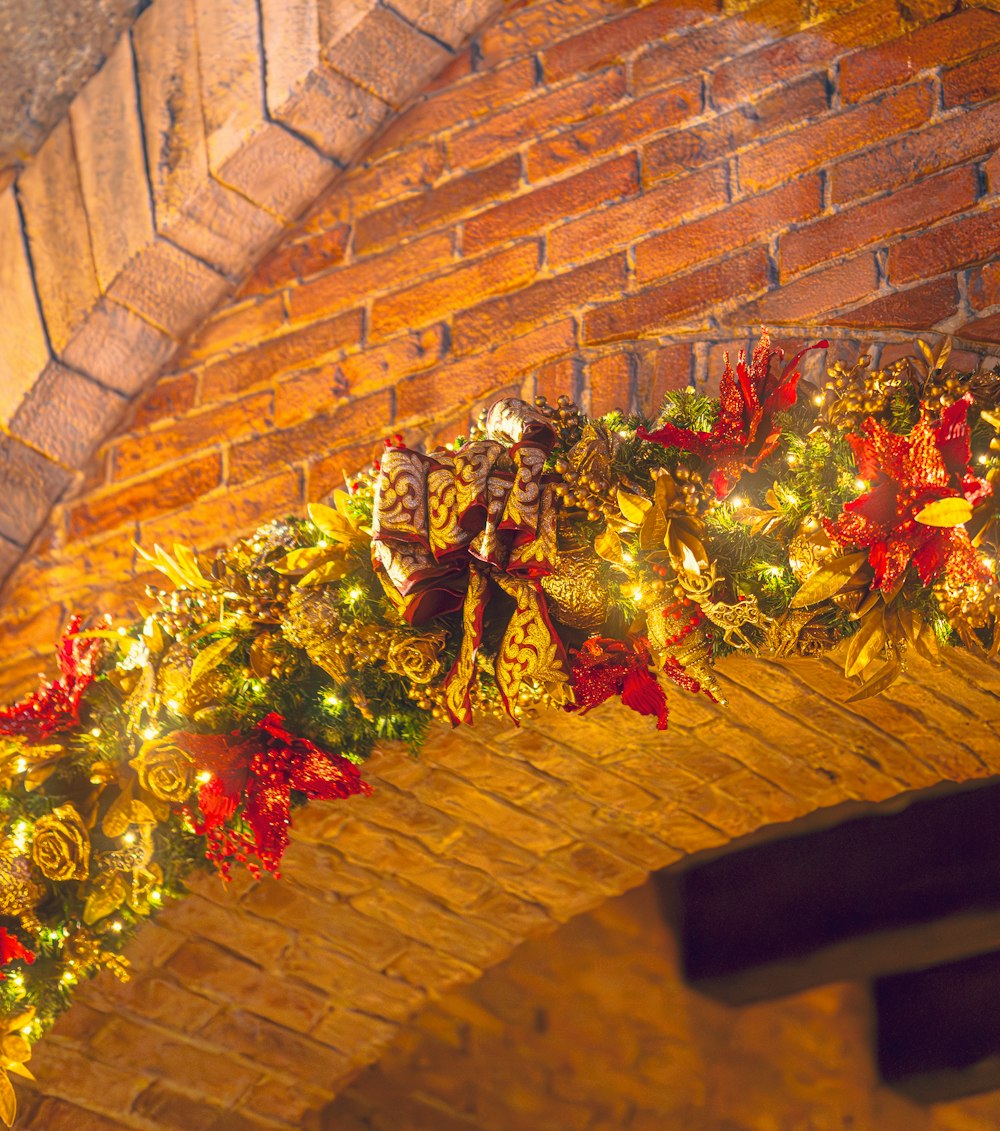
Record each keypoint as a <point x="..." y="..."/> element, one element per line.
<point x="450" y="527"/>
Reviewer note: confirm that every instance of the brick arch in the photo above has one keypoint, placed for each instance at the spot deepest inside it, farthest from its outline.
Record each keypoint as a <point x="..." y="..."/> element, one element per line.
<point x="209" y="130"/>
<point x="592" y="201"/>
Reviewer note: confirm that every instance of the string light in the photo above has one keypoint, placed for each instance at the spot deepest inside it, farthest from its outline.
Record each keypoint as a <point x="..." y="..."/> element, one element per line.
<point x="129" y="837"/>
<point x="204" y="777"/>
<point x="21" y="765"/>
<point x="117" y="926"/>
<point x="155" y="896"/>
<point x="96" y="732"/>
<point x="149" y="733"/>
<point x="861" y="484"/>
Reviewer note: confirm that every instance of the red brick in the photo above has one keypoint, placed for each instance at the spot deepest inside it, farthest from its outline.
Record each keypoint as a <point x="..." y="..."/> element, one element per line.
<point x="205" y="1070"/>
<point x="166" y="1107"/>
<point x="907" y="159"/>
<point x="702" y="48"/>
<point x="542" y="207"/>
<point x="170" y="489"/>
<point x="556" y="378"/>
<point x="293" y="262"/>
<point x="814" y="48"/>
<point x="614" y="40"/>
<point x="234" y="327"/>
<point x="508" y="129"/>
<point x="992" y="171"/>
<point x="318" y="390"/>
<point x="903" y="210"/>
<point x="438" y="298"/>
<point x="460" y="103"/>
<point x="659" y="371"/>
<point x="611" y="383"/>
<point x="984" y="286"/>
<point x="149" y="451"/>
<point x="313" y="437"/>
<point x="449" y="200"/>
<point x="545" y="301"/>
<point x="55" y="1115"/>
<point x="620" y="224"/>
<point x="608" y="133"/>
<point x="841" y="133"/>
<point x="329" y="473"/>
<point x="310" y="345"/>
<point x="972" y="82"/>
<point x="170" y="396"/>
<point x="468" y="380"/>
<point x="715" y="235"/>
<point x="225" y="517"/>
<point x="678" y="151"/>
<point x="957" y="244"/>
<point x="892" y="64"/>
<point x="694" y="294"/>
<point x="815" y="294"/>
<point x="919" y="308"/>
<point x="538" y="26"/>
<point x="348" y="286"/>
<point x="983" y="330"/>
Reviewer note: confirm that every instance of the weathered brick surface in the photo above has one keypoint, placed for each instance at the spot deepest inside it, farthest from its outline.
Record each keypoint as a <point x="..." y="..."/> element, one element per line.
<point x="608" y="227"/>
<point x="594" y="1028"/>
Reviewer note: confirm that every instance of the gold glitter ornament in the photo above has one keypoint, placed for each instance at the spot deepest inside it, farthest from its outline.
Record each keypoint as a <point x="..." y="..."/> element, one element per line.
<point x="20" y="893"/>
<point x="576" y="592"/>
<point x="311" y="621"/>
<point x="676" y="630"/>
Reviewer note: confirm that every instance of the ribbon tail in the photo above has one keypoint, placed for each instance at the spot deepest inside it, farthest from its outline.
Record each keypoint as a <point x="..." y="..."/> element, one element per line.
<point x="531" y="648"/>
<point x="456" y="686"/>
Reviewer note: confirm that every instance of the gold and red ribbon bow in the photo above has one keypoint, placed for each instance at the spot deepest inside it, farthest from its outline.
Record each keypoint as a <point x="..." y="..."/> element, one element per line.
<point x="449" y="526"/>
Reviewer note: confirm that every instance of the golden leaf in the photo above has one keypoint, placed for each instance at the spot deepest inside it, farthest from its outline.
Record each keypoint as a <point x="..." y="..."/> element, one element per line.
<point x="609" y="546"/>
<point x="8" y="1101"/>
<point x="885" y="677"/>
<point x="337" y="524"/>
<point x="945" y="512"/>
<point x="653" y="529"/>
<point x="633" y="507"/>
<point x="154" y="636"/>
<point x="302" y="560"/>
<point x="210" y="657"/>
<point x="867" y="643"/>
<point x="107" y="894"/>
<point x="261" y="660"/>
<point x="828" y="580"/>
<point x="330" y="571"/>
<point x="124" y="812"/>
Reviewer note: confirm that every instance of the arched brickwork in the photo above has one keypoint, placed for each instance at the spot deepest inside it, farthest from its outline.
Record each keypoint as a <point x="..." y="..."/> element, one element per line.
<point x="593" y="1029"/>
<point x="211" y="127"/>
<point x="593" y="201"/>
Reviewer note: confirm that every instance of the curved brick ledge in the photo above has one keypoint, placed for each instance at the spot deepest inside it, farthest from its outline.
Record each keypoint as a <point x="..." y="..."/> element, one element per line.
<point x="212" y="126"/>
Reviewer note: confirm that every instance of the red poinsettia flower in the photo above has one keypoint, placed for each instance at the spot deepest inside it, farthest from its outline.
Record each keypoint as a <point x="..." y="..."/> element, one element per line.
<point x="605" y="668"/>
<point x="897" y="521"/>
<point x="744" y="433"/>
<point x="259" y="772"/>
<point x="12" y="949"/>
<point x="56" y="705"/>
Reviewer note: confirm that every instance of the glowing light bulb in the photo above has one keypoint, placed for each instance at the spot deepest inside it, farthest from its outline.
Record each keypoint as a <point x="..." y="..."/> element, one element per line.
<point x="117" y="926"/>
<point x="984" y="459"/>
<point x="149" y="733"/>
<point x="129" y="837"/>
<point x="818" y="400"/>
<point x="775" y="571"/>
<point x="21" y="765"/>
<point x="736" y="502"/>
<point x="172" y="705"/>
<point x="861" y="484"/>
<point x="354" y="593"/>
<point x="122" y="631"/>
<point x="155" y="896"/>
<point x="636" y="592"/>
<point x="96" y="732"/>
<point x="204" y="777"/>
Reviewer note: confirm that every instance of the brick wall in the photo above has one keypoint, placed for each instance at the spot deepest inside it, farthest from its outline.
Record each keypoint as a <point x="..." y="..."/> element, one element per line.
<point x="593" y="1030"/>
<point x="595" y="198"/>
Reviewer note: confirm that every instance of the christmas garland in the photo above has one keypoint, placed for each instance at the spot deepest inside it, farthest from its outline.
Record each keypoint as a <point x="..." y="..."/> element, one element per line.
<point x="547" y="561"/>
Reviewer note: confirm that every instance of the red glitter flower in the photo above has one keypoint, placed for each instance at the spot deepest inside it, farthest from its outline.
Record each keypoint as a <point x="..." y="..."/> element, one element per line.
<point x="56" y="705"/>
<point x="12" y="949"/>
<point x="605" y="668"/>
<point x="259" y="772"/>
<point x="744" y="433"/>
<point x="908" y="474"/>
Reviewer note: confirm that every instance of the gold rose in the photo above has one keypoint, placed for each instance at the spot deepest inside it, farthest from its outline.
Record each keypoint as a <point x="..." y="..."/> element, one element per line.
<point x="165" y="770"/>
<point x="61" y="846"/>
<point x="15" y="1052"/>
